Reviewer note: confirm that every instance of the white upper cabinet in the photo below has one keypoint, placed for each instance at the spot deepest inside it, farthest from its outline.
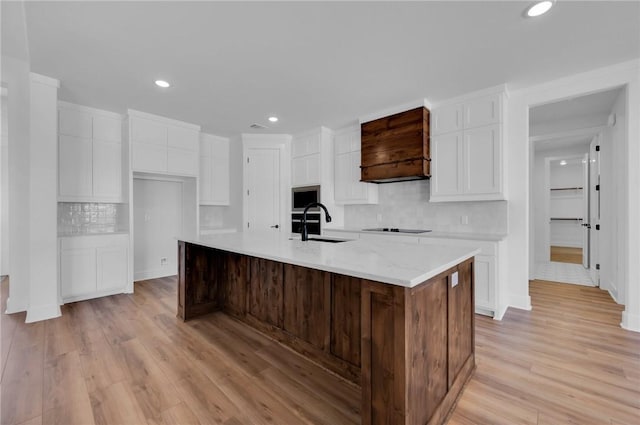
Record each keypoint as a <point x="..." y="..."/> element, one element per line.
<point x="306" y="160"/>
<point x="348" y="187"/>
<point x="466" y="150"/>
<point x="483" y="111"/>
<point x="162" y="145"/>
<point x="446" y="119"/>
<point x="89" y="154"/>
<point x="214" y="170"/>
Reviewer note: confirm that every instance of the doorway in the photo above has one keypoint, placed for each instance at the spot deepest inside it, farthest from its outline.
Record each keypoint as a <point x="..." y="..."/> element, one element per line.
<point x="266" y="182"/>
<point x="567" y="137"/>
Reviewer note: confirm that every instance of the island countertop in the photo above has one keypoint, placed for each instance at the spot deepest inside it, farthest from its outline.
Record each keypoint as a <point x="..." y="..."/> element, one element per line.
<point x="401" y="264"/>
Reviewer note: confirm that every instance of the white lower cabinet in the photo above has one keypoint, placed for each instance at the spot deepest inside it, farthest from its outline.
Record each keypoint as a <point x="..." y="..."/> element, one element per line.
<point x="485" y="270"/>
<point x="485" y="278"/>
<point x="93" y="266"/>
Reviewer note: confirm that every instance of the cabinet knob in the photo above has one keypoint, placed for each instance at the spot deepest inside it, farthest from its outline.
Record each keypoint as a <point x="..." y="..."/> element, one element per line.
<point x="275" y="226"/>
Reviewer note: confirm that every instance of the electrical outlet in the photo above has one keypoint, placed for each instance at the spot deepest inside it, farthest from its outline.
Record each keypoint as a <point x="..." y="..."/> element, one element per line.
<point x="454" y="280"/>
<point x="464" y="219"/>
<point x="163" y="261"/>
<point x="379" y="218"/>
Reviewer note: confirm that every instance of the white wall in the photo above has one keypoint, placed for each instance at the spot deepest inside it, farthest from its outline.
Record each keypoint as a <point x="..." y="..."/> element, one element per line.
<point x="613" y="238"/>
<point x="158" y="220"/>
<point x="518" y="155"/>
<point x="4" y="188"/>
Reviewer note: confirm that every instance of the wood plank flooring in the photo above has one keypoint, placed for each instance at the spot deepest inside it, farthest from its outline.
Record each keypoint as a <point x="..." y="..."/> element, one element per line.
<point x="565" y="254"/>
<point x="126" y="359"/>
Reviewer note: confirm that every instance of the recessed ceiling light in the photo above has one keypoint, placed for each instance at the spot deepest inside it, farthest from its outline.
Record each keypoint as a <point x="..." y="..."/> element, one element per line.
<point x="273" y="119"/>
<point x="162" y="83"/>
<point x="539" y="8"/>
<point x="563" y="162"/>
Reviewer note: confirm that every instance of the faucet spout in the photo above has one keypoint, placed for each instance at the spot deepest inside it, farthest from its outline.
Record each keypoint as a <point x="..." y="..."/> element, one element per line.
<point x="305" y="232"/>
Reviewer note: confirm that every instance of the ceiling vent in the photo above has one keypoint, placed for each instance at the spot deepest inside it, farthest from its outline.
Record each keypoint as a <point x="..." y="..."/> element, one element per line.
<point x="257" y="126"/>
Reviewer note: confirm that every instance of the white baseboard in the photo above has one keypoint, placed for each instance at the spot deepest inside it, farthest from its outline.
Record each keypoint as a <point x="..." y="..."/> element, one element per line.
<point x="501" y="311"/>
<point x="43" y="312"/>
<point x="522" y="302"/>
<point x="630" y="322"/>
<point x="13" y="307"/>
<point x="154" y="273"/>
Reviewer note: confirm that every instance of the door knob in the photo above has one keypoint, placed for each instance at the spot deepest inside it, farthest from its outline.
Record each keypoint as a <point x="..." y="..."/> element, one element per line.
<point x="276" y="226"/>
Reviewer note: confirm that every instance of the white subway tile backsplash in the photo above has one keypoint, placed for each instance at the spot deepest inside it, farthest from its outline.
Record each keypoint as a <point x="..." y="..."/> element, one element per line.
<point x="407" y="205"/>
<point x="77" y="218"/>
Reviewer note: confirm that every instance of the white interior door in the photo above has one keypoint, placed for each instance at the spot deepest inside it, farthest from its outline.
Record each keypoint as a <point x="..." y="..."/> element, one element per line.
<point x="263" y="189"/>
<point x="594" y="209"/>
<point x="586" y="219"/>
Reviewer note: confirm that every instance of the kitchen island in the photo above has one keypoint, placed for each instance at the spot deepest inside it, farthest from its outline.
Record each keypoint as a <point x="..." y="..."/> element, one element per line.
<point x="396" y="319"/>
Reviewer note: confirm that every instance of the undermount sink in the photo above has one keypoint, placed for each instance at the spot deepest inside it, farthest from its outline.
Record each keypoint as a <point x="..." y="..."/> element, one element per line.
<point x="328" y="240"/>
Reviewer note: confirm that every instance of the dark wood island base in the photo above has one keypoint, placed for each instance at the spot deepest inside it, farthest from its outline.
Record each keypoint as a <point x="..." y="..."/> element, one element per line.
<point x="410" y="349"/>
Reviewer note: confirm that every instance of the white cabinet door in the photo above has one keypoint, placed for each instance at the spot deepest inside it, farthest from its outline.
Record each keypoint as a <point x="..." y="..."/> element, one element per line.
<point x="485" y="277"/>
<point x="220" y="181"/>
<point x="107" y="171"/>
<point x="482" y="111"/>
<point x="446" y="119"/>
<point x="206" y="166"/>
<point x="74" y="122"/>
<point x="182" y="138"/>
<point x="214" y="170"/>
<point x="77" y="272"/>
<point x="75" y="174"/>
<point x="446" y="164"/>
<point x="148" y="131"/>
<point x="359" y="190"/>
<point x="150" y="158"/>
<point x="313" y="168"/>
<point x="107" y="129"/>
<point x="342" y="176"/>
<point x="111" y="268"/>
<point x="299" y="171"/>
<point x="482" y="160"/>
<point x="182" y="162"/>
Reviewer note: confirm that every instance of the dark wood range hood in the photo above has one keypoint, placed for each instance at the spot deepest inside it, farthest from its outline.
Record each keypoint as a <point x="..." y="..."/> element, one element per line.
<point x="396" y="148"/>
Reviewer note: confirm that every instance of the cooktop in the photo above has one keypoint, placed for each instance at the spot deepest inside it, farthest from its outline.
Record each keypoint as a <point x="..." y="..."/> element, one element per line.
<point x="396" y="230"/>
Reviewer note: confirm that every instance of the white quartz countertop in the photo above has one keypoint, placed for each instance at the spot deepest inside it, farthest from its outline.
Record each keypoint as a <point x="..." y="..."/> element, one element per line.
<point x="396" y="263"/>
<point x="444" y="235"/>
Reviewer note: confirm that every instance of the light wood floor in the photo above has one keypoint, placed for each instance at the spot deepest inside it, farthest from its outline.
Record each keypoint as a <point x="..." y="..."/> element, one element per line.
<point x="127" y="360"/>
<point x="565" y="254"/>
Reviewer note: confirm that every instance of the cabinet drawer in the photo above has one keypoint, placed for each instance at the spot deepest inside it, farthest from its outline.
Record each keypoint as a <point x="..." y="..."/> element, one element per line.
<point x="486" y="247"/>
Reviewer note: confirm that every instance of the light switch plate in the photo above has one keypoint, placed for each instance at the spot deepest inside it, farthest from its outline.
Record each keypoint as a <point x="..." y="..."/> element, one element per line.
<point x="454" y="280"/>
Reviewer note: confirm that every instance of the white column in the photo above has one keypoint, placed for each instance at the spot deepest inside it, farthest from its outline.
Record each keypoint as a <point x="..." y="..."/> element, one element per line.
<point x="43" y="237"/>
<point x="15" y="74"/>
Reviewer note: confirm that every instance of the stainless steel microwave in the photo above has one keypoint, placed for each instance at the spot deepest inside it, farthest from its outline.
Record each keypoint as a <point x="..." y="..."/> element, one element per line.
<point x="303" y="196"/>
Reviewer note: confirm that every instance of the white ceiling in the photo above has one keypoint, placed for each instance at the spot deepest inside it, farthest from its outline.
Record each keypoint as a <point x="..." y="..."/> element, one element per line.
<point x="571" y="122"/>
<point x="312" y="63"/>
<point x="591" y="105"/>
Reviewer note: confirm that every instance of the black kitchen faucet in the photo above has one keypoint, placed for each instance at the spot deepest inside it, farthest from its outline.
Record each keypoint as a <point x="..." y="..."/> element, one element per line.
<point x="305" y="233"/>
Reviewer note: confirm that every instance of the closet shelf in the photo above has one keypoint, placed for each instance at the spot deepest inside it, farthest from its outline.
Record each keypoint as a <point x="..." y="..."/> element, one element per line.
<point x="566" y="188"/>
<point x="566" y="219"/>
